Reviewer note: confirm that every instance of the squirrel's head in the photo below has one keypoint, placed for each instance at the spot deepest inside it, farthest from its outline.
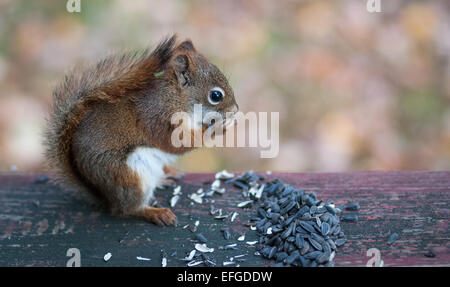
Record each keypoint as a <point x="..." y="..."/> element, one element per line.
<point x="202" y="82"/>
<point x="194" y="82"/>
<point x="184" y="82"/>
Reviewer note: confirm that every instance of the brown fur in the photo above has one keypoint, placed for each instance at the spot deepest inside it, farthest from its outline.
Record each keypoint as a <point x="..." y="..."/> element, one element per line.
<point x="101" y="114"/>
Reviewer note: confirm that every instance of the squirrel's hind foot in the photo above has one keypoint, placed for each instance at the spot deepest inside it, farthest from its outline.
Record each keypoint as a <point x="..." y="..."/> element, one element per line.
<point x="160" y="216"/>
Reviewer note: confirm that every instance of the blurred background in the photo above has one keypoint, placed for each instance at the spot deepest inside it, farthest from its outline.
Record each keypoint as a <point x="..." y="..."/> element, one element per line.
<point x="355" y="90"/>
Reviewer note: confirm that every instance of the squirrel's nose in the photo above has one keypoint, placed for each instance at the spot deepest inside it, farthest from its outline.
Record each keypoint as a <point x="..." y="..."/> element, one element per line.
<point x="235" y="108"/>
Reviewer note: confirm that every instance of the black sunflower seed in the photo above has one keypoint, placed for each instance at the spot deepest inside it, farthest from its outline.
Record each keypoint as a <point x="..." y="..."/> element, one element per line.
<point x="352" y="206"/>
<point x="287" y="191"/>
<point x="240" y="185"/>
<point x="317" y="237"/>
<point x="286" y="246"/>
<point x="301" y="231"/>
<point x="279" y="243"/>
<point x="280" y="256"/>
<point x="330" y="209"/>
<point x="255" y="218"/>
<point x="309" y="201"/>
<point x="315" y="244"/>
<point x="430" y="254"/>
<point x="392" y="238"/>
<point x="262" y="213"/>
<point x="317" y="228"/>
<point x="275" y="207"/>
<point x="331" y="243"/>
<point x="334" y="220"/>
<point x="291" y="248"/>
<point x="272" y="240"/>
<point x="272" y="252"/>
<point x="340" y="242"/>
<point x="287" y="232"/>
<point x="201" y="238"/>
<point x="276" y="228"/>
<point x="305" y="248"/>
<point x="265" y="251"/>
<point x="350" y="217"/>
<point x="336" y="230"/>
<point x="284" y="201"/>
<point x="288" y="207"/>
<point x="303" y="210"/>
<point x="289" y="220"/>
<point x="325" y="217"/>
<point x="226" y="234"/>
<point x="266" y="226"/>
<point x="303" y="261"/>
<point x="318" y="222"/>
<point x="261" y="223"/>
<point x="299" y="241"/>
<point x="274" y="217"/>
<point x="294" y="256"/>
<point x="313" y="255"/>
<point x="323" y="258"/>
<point x="326" y="247"/>
<point x="321" y="210"/>
<point x="325" y="228"/>
<point x="307" y="226"/>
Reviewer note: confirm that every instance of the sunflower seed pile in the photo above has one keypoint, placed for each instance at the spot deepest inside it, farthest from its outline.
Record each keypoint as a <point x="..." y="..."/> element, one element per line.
<point x="249" y="183"/>
<point x="296" y="228"/>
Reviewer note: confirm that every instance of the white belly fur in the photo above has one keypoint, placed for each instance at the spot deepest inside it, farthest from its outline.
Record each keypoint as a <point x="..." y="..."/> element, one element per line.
<point x="148" y="163"/>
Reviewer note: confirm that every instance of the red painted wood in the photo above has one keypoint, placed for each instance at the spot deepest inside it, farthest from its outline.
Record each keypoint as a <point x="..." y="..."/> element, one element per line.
<point x="39" y="222"/>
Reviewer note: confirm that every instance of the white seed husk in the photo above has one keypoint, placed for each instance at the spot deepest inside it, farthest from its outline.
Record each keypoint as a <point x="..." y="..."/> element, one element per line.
<point x="177" y="190"/>
<point x="196" y="198"/>
<point x="215" y="184"/>
<point x="245" y="203"/>
<point x="190" y="256"/>
<point x="174" y="200"/>
<point x="233" y="217"/>
<point x="203" y="248"/>
<point x="224" y="175"/>
<point x="194" y="263"/>
<point x="107" y="256"/>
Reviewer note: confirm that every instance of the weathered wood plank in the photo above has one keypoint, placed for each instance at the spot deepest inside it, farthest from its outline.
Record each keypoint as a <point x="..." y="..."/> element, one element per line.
<point x="39" y="222"/>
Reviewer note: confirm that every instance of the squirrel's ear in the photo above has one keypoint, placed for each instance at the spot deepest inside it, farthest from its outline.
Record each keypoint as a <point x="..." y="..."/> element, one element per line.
<point x="181" y="66"/>
<point x="187" y="45"/>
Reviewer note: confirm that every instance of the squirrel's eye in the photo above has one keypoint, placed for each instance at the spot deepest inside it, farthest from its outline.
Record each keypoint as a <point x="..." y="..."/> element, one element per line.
<point x="215" y="96"/>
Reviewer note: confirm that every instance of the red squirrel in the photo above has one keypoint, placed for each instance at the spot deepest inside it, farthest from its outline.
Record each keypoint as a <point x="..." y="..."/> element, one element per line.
<point x="110" y="128"/>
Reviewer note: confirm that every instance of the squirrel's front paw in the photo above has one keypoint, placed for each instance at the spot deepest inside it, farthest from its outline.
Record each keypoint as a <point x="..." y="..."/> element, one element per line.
<point x="160" y="216"/>
<point x="173" y="173"/>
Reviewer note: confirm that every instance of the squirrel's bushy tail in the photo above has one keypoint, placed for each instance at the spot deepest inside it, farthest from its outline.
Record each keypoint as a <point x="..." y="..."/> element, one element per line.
<point x="109" y="80"/>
